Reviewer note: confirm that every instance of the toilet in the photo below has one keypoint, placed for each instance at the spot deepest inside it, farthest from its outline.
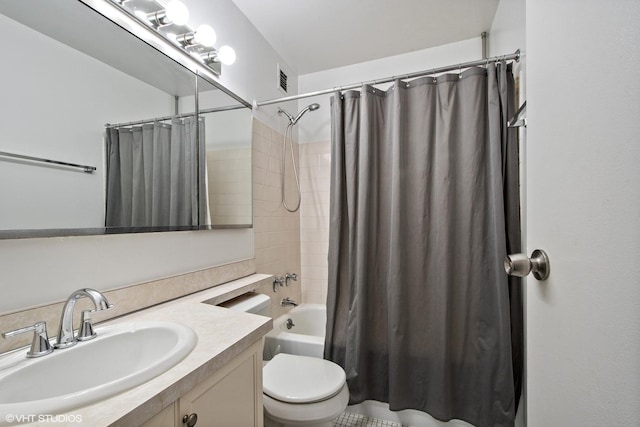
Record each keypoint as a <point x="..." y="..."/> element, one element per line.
<point x="297" y="390"/>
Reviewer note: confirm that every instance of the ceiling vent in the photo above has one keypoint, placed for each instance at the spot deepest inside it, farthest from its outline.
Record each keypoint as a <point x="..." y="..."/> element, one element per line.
<point x="283" y="80"/>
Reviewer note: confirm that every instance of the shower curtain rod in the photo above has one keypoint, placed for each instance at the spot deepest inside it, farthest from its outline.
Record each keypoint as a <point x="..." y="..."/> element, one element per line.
<point x="512" y="56"/>
<point x="175" y="116"/>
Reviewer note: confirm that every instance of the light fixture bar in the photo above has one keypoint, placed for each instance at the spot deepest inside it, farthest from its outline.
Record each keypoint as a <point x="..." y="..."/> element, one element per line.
<point x="186" y="39"/>
<point x="159" y="18"/>
<point x="210" y="57"/>
<point x="170" y="23"/>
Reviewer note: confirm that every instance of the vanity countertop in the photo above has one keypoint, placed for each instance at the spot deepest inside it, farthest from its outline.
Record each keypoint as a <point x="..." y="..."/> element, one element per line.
<point x="222" y="335"/>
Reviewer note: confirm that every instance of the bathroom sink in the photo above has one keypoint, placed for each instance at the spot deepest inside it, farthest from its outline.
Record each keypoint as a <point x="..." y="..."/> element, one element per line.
<point x="119" y="358"/>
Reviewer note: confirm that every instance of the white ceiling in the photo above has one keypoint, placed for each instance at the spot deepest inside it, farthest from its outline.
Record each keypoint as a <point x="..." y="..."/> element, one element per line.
<point x="315" y="35"/>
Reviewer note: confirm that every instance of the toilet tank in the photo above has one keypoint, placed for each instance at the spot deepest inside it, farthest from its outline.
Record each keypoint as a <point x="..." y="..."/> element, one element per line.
<point x="250" y="302"/>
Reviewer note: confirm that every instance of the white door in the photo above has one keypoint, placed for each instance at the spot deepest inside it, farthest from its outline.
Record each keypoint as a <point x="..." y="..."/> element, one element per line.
<point x="583" y="208"/>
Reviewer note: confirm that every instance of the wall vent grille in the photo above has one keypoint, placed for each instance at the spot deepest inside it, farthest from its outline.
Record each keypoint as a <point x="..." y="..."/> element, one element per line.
<point x="283" y="78"/>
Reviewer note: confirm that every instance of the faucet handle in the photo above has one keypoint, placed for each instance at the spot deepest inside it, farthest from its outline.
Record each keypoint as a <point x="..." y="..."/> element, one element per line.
<point x="290" y="276"/>
<point x="86" y="332"/>
<point x="40" y="345"/>
<point x="278" y="281"/>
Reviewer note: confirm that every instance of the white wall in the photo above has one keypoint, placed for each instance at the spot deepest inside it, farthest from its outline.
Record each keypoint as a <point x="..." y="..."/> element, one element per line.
<point x="583" y="208"/>
<point x="507" y="34"/>
<point x="38" y="271"/>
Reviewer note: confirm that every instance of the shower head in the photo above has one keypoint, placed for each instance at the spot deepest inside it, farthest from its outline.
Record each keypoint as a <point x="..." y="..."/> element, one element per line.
<point x="312" y="107"/>
<point x="294" y="120"/>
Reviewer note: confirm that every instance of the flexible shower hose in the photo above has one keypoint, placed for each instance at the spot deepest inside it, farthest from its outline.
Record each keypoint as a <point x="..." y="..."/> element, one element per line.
<point x="288" y="132"/>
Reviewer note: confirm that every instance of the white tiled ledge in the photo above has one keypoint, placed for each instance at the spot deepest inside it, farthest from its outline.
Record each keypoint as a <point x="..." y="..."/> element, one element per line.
<point x="227" y="291"/>
<point x="222" y="335"/>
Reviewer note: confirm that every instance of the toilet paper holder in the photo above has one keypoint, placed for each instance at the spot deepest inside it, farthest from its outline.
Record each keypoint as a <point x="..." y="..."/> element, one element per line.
<point x="520" y="265"/>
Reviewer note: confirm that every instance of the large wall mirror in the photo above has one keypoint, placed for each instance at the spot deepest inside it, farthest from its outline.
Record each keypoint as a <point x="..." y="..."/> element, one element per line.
<point x="80" y="90"/>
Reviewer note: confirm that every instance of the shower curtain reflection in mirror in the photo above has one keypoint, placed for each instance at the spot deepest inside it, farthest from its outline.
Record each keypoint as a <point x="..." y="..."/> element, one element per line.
<point x="152" y="175"/>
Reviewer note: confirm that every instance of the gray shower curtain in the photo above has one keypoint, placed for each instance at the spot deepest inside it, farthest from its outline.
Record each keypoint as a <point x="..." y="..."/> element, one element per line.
<point x="424" y="207"/>
<point x="152" y="176"/>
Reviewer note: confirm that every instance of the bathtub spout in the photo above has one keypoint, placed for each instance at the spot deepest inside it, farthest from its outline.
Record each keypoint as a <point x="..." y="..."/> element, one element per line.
<point x="288" y="301"/>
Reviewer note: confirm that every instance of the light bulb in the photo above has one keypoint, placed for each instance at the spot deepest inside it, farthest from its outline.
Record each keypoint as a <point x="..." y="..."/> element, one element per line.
<point x="205" y="35"/>
<point x="226" y="55"/>
<point x="177" y="12"/>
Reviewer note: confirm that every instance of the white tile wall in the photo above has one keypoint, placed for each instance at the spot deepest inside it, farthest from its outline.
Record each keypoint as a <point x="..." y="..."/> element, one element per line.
<point x="315" y="168"/>
<point x="229" y="184"/>
<point x="276" y="231"/>
<point x="292" y="242"/>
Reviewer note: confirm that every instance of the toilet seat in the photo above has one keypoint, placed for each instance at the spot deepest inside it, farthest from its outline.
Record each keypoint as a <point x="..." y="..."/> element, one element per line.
<point x="301" y="379"/>
<point x="306" y="414"/>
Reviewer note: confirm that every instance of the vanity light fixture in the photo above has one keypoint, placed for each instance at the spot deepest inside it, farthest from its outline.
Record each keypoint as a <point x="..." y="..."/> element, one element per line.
<point x="170" y="22"/>
<point x="175" y="13"/>
<point x="204" y="35"/>
<point x="225" y="55"/>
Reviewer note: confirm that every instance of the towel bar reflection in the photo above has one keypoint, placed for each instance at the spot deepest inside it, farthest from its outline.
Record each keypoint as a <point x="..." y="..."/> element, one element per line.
<point x="85" y="168"/>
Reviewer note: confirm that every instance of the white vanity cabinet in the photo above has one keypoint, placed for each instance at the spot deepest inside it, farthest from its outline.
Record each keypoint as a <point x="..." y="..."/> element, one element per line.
<point x="231" y="397"/>
<point x="166" y="418"/>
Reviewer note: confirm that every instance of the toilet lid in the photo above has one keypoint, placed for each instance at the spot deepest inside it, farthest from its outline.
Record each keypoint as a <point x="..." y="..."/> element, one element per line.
<point x="301" y="379"/>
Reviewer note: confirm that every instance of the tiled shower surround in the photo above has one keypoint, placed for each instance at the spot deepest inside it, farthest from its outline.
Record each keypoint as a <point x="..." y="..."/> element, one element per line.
<point x="283" y="240"/>
<point x="315" y="168"/>
<point x="229" y="185"/>
<point x="276" y="231"/>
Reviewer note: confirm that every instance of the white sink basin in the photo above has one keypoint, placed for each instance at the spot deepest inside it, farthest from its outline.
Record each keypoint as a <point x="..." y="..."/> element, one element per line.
<point x="119" y="358"/>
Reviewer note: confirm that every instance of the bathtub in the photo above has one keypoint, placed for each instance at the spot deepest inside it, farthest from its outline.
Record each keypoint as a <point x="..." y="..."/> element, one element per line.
<point x="305" y="338"/>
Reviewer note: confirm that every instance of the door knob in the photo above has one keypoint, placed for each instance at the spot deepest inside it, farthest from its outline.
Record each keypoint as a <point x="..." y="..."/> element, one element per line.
<point x="520" y="265"/>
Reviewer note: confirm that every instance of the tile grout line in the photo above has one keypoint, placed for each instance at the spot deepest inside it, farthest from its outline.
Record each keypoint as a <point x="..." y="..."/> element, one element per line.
<point x="356" y="420"/>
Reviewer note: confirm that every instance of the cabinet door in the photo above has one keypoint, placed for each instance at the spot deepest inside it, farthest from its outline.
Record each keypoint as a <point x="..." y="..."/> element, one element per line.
<point x="165" y="418"/>
<point x="232" y="397"/>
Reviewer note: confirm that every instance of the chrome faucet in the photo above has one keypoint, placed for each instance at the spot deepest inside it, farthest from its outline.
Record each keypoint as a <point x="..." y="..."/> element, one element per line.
<point x="290" y="276"/>
<point x="288" y="301"/>
<point x="278" y="281"/>
<point x="289" y="323"/>
<point x="65" y="333"/>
